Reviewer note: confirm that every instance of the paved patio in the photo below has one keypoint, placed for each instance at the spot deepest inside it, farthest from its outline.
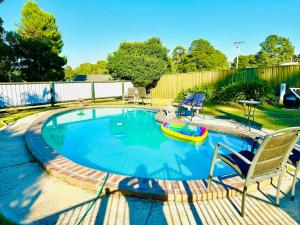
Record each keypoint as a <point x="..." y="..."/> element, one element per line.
<point x="31" y="196"/>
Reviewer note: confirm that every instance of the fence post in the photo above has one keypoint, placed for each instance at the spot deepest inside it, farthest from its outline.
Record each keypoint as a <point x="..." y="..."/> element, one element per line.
<point x="93" y="91"/>
<point x="52" y="94"/>
<point x="123" y="91"/>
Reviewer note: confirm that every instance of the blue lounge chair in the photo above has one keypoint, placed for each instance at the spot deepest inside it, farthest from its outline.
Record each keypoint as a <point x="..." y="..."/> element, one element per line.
<point x="197" y="104"/>
<point x="186" y="102"/>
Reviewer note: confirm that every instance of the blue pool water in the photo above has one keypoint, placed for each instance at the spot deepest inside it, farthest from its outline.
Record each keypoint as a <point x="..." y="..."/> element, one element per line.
<point x="129" y="141"/>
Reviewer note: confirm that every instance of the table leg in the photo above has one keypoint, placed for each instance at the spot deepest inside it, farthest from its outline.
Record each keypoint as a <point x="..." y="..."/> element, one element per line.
<point x="249" y="114"/>
<point x="244" y="119"/>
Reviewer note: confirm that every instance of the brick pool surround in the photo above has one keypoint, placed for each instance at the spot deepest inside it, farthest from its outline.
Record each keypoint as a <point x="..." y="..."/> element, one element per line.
<point x="92" y="179"/>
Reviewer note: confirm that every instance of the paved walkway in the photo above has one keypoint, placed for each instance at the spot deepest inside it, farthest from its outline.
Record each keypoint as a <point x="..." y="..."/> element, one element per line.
<point x="29" y="196"/>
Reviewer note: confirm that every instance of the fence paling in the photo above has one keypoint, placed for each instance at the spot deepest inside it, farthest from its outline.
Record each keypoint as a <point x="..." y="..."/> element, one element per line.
<point x="169" y="85"/>
<point x="19" y="94"/>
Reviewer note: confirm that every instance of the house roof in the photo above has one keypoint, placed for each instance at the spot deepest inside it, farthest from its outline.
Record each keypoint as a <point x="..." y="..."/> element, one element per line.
<point x="98" y="77"/>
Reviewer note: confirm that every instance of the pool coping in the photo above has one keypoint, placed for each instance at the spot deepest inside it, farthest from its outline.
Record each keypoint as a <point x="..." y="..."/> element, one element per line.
<point x="92" y="179"/>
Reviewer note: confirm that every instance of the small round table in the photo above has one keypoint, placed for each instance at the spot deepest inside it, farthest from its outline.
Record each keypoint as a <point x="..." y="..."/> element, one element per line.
<point x="249" y="110"/>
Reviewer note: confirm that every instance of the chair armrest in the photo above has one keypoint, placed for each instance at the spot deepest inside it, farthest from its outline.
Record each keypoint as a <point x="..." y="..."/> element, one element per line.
<point x="234" y="152"/>
<point x="259" y="138"/>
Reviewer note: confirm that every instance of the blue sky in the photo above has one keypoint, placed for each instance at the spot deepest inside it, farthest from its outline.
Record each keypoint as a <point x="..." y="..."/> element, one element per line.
<point x="91" y="29"/>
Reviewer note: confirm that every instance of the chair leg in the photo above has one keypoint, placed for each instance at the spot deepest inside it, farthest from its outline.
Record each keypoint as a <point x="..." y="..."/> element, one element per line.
<point x="294" y="181"/>
<point x="278" y="188"/>
<point x="243" y="201"/>
<point x="211" y="173"/>
<point x="212" y="167"/>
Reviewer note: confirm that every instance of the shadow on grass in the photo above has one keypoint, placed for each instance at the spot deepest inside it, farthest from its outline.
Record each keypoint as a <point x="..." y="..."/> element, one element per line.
<point x="239" y="119"/>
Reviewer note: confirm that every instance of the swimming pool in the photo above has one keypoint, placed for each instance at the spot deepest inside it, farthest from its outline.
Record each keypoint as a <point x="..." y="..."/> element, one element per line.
<point x="128" y="141"/>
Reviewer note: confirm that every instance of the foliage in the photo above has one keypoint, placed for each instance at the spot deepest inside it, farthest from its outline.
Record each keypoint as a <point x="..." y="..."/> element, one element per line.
<point x="35" y="59"/>
<point x="99" y="68"/>
<point x="275" y="50"/>
<point x="6" y="56"/>
<point x="69" y="73"/>
<point x="201" y="56"/>
<point x="245" y="61"/>
<point x="4" y="221"/>
<point x="208" y="90"/>
<point x="178" y="54"/>
<point x="39" y="25"/>
<point x="141" y="62"/>
<point x="296" y="58"/>
<point x="246" y="89"/>
<point x="34" y="48"/>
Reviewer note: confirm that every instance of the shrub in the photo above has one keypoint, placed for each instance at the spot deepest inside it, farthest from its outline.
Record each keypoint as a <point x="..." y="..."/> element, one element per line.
<point x="208" y="90"/>
<point x="246" y="89"/>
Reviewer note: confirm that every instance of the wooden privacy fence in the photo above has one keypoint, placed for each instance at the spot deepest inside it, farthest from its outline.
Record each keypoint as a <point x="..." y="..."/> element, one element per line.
<point x="169" y="85"/>
<point x="19" y="94"/>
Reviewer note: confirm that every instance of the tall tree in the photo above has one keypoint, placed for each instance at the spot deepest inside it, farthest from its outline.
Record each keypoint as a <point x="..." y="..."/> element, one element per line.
<point x="275" y="50"/>
<point x="37" y="24"/>
<point x="141" y="62"/>
<point x="37" y="44"/>
<point x="36" y="60"/>
<point x="200" y="56"/>
<point x="203" y="56"/>
<point x="245" y="61"/>
<point x="6" y="56"/>
<point x="178" y="55"/>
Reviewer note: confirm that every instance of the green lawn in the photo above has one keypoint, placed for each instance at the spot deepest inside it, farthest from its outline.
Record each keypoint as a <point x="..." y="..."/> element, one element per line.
<point x="12" y="114"/>
<point x="4" y="221"/>
<point x="266" y="116"/>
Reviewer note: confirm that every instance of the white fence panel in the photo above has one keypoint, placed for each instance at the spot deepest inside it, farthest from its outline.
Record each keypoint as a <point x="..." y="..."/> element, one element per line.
<point x="108" y="89"/>
<point x="126" y="86"/>
<point x="24" y="94"/>
<point x="18" y="94"/>
<point x="72" y="91"/>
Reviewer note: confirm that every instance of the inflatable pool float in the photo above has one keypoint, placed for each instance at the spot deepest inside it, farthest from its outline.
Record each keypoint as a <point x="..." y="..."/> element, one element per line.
<point x="185" y="131"/>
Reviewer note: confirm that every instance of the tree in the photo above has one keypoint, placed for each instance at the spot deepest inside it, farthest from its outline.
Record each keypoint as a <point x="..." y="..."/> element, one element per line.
<point x="296" y="58"/>
<point x="245" y="61"/>
<point x="141" y="62"/>
<point x="203" y="56"/>
<point x="36" y="45"/>
<point x="275" y="50"/>
<point x="69" y="73"/>
<point x="178" y="55"/>
<point x="37" y="24"/>
<point x="6" y="56"/>
<point x="36" y="60"/>
<point x="200" y="56"/>
<point x="91" y="69"/>
<point x="100" y="67"/>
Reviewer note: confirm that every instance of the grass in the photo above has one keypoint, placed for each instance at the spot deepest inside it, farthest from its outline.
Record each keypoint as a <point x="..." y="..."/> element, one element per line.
<point x="10" y="115"/>
<point x="266" y="116"/>
<point x="4" y="221"/>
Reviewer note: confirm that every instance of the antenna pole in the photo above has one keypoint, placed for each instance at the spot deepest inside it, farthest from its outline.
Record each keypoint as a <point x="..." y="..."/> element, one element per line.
<point x="237" y="45"/>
